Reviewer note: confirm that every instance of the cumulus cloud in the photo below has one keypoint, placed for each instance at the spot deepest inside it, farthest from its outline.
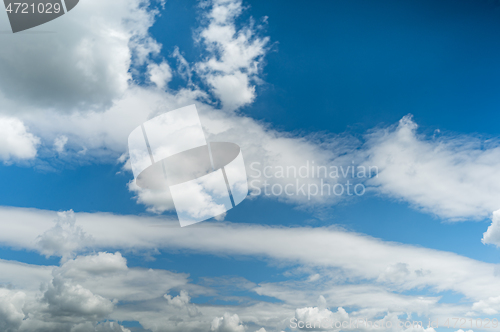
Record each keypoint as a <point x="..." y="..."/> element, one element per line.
<point x="160" y="74"/>
<point x="94" y="102"/>
<point x="492" y="234"/>
<point x="16" y="142"/>
<point x="83" y="64"/>
<point x="227" y="323"/>
<point x="182" y="302"/>
<point x="179" y="301"/>
<point x="235" y="56"/>
<point x="82" y="294"/>
<point x="315" y="314"/>
<point x="90" y="288"/>
<point x="87" y="266"/>
<point x="64" y="238"/>
<point x="66" y="299"/>
<point x="66" y="83"/>
<point x="233" y="89"/>
<point x="11" y="309"/>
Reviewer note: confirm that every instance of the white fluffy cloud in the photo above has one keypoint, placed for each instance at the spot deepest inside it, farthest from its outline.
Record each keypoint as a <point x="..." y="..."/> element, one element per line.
<point x="11" y="309"/>
<point x="160" y="74"/>
<point x="83" y="64"/>
<point x="227" y="323"/>
<point x="77" y="64"/>
<point x="92" y="103"/>
<point x="492" y="234"/>
<point x="454" y="177"/>
<point x="64" y="238"/>
<point x="65" y="299"/>
<point x="233" y="90"/>
<point x="82" y="293"/>
<point x="235" y="55"/>
<point x="182" y="302"/>
<point x="316" y="314"/>
<point x="16" y="142"/>
<point x="489" y="306"/>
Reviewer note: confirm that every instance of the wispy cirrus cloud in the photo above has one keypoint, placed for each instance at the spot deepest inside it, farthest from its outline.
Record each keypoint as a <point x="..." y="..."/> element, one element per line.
<point x="453" y="176"/>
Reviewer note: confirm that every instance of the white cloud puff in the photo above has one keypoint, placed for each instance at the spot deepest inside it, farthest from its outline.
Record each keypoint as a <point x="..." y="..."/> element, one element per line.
<point x="492" y="234"/>
<point x="82" y="294"/>
<point x="316" y="314"/>
<point x="16" y="142"/>
<point x="235" y="55"/>
<point x="73" y="300"/>
<point x="227" y="323"/>
<point x="160" y="74"/>
<point x="64" y="238"/>
<point x="11" y="309"/>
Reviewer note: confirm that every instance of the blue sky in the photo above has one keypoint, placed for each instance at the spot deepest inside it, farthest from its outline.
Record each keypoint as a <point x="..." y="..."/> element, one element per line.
<point x="408" y="87"/>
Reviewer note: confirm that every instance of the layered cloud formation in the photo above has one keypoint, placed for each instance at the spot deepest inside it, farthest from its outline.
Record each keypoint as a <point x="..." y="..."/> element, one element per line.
<point x="88" y="287"/>
<point x="75" y="95"/>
